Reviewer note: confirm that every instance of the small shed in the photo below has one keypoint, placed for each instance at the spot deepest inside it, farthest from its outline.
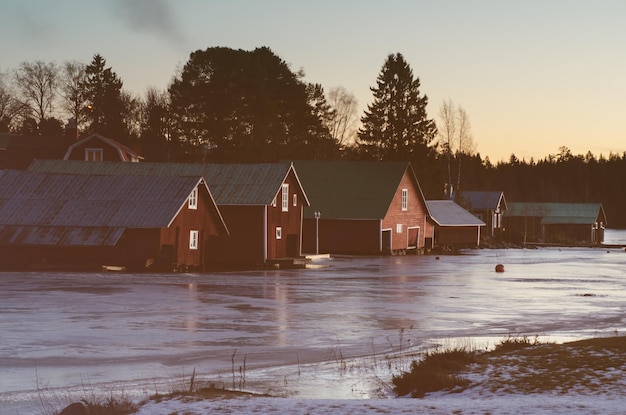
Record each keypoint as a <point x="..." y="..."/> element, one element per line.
<point x="488" y="206"/>
<point x="565" y="223"/>
<point x="363" y="208"/>
<point x="261" y="203"/>
<point x="454" y="226"/>
<point x="73" y="220"/>
<point x="99" y="148"/>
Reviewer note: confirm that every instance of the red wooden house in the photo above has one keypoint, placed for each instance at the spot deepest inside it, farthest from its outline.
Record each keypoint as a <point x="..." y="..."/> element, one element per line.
<point x="488" y="206"/>
<point x="261" y="203"/>
<point x="98" y="148"/>
<point x="84" y="220"/>
<point x="363" y="208"/>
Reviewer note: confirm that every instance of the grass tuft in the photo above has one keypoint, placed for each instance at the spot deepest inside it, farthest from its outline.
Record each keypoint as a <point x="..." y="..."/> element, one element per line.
<point x="436" y="371"/>
<point x="511" y="344"/>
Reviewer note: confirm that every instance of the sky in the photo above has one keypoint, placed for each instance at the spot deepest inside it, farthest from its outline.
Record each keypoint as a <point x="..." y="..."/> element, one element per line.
<point x="531" y="75"/>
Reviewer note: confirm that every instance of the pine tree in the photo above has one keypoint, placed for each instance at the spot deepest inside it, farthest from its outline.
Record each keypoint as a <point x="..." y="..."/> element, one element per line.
<point x="103" y="90"/>
<point x="395" y="125"/>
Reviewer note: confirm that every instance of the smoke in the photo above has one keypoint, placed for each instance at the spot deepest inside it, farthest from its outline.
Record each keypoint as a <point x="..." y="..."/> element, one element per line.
<point x="152" y="17"/>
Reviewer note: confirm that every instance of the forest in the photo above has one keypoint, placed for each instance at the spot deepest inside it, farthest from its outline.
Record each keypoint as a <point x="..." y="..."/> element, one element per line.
<point x="228" y="105"/>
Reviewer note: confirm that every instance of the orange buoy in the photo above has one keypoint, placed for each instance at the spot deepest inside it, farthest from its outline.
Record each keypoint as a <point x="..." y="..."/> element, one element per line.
<point x="499" y="268"/>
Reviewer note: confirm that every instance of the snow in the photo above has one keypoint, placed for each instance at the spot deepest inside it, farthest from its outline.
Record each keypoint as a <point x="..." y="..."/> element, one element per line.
<point x="466" y="404"/>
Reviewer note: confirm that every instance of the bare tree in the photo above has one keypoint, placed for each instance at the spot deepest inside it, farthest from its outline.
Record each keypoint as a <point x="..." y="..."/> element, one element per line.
<point x="343" y="124"/>
<point x="455" y="132"/>
<point x="36" y="83"/>
<point x="11" y="109"/>
<point x="447" y="132"/>
<point x="465" y="140"/>
<point x="72" y="90"/>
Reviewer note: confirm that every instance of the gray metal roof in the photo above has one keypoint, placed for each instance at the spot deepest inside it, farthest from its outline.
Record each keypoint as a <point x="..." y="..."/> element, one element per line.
<point x="351" y="189"/>
<point x="483" y="200"/>
<point x="448" y="213"/>
<point x="559" y="213"/>
<point x="230" y="184"/>
<point x="67" y="208"/>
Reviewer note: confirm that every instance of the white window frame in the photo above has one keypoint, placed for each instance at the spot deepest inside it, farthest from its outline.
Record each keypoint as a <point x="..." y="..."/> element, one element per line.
<point x="193" y="239"/>
<point x="399" y="228"/>
<point x="279" y="232"/>
<point x="285" y="198"/>
<point x="405" y="200"/>
<point x="94" y="154"/>
<point x="192" y="201"/>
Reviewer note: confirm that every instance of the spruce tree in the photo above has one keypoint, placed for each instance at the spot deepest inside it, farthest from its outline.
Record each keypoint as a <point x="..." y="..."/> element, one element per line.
<point x="396" y="126"/>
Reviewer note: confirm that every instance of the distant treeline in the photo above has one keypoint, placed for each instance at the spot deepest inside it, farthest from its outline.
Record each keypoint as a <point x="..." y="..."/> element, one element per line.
<point x="557" y="178"/>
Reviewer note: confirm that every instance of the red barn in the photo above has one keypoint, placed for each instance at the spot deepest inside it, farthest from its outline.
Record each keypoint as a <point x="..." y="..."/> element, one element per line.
<point x="86" y="221"/>
<point x="261" y="203"/>
<point x="98" y="148"/>
<point x="363" y="208"/>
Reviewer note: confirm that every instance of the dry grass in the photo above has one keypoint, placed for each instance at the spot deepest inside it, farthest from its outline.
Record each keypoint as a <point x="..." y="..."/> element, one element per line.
<point x="522" y="365"/>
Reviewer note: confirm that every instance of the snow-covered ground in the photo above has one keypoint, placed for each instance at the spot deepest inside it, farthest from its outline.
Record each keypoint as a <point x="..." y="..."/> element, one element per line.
<point x="310" y="336"/>
<point x="466" y="404"/>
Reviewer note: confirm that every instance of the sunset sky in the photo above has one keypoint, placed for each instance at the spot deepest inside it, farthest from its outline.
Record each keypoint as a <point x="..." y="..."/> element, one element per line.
<point x="531" y="75"/>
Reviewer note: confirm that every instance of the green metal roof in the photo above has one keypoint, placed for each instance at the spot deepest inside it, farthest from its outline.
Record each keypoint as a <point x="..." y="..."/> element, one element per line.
<point x="351" y="189"/>
<point x="558" y="213"/>
<point x="230" y="184"/>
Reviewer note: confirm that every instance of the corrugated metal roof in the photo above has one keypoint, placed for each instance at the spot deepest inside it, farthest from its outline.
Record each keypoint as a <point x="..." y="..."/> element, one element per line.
<point x="230" y="184"/>
<point x="57" y="203"/>
<point x="482" y="200"/>
<point x="448" y="213"/>
<point x="559" y="213"/>
<point x="350" y="189"/>
<point x="60" y="235"/>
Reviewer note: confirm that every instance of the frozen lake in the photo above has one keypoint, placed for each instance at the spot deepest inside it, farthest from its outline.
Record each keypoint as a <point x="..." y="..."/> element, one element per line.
<point x="68" y="330"/>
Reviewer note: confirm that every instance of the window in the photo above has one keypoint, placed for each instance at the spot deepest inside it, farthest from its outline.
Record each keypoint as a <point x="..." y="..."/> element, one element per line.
<point x="93" y="154"/>
<point x="295" y="199"/>
<point x="405" y="199"/>
<point x="193" y="239"/>
<point x="399" y="228"/>
<point x="193" y="199"/>
<point x="285" y="204"/>
<point x="279" y="232"/>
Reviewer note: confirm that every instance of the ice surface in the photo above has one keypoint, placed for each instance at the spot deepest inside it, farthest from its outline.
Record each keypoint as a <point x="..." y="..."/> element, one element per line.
<point x="135" y="331"/>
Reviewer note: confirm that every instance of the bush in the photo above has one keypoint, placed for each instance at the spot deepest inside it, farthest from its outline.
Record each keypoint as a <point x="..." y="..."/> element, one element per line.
<point x="435" y="372"/>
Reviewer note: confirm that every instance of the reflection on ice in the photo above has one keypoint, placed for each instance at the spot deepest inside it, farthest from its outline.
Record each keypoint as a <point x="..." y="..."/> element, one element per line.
<point x="64" y="328"/>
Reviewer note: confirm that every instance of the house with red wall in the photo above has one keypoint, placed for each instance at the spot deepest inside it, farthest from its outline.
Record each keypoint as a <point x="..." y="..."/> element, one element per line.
<point x="261" y="203"/>
<point x="363" y="208"/>
<point x="488" y="206"/>
<point x="52" y="220"/>
<point x="99" y="148"/>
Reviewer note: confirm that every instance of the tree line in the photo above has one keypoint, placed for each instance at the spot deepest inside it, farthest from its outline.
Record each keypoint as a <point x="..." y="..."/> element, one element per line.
<point x="232" y="105"/>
